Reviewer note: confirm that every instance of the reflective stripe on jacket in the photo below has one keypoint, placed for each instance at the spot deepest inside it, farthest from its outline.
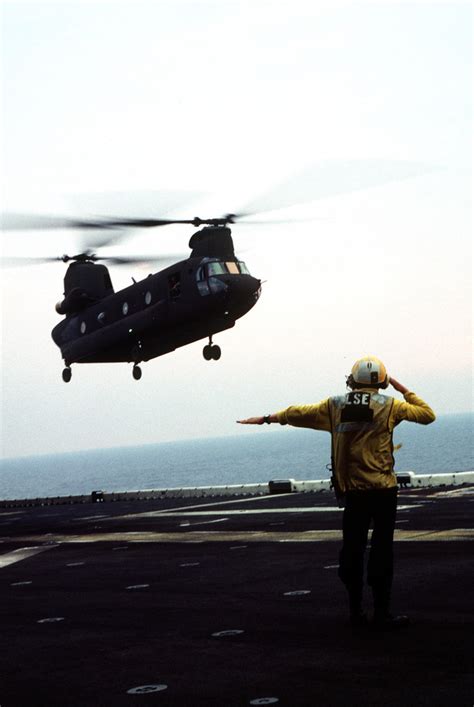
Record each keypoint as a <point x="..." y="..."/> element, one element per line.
<point x="361" y="424"/>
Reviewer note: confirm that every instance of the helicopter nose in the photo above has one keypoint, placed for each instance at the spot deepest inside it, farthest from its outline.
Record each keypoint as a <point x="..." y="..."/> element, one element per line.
<point x="243" y="293"/>
<point x="244" y="286"/>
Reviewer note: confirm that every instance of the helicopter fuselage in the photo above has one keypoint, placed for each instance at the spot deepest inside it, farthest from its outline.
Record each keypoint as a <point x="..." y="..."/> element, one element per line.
<point x="190" y="300"/>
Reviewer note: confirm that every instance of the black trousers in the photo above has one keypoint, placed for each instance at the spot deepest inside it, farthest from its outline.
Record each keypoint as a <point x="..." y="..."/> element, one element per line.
<point x="363" y="508"/>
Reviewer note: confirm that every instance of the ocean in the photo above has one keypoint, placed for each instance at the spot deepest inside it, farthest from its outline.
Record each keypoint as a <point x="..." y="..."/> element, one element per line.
<point x="257" y="455"/>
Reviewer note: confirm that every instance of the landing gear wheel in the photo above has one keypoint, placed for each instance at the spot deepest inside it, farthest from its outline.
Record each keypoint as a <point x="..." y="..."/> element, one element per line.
<point x="215" y="352"/>
<point x="211" y="352"/>
<point x="67" y="373"/>
<point x="137" y="373"/>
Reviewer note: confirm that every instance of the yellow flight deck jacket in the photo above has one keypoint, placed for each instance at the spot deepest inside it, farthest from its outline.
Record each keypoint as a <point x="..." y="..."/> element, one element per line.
<point x="361" y="424"/>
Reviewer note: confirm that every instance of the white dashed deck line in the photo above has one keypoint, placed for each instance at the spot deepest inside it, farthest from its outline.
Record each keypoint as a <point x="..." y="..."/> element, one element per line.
<point x="146" y="689"/>
<point x="227" y="633"/>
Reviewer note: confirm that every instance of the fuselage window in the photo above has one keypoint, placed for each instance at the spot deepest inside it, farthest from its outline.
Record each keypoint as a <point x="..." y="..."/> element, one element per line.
<point x="148" y="298"/>
<point x="83" y="327"/>
<point x="174" y="285"/>
<point x="101" y="318"/>
<point x="203" y="287"/>
<point x="125" y="308"/>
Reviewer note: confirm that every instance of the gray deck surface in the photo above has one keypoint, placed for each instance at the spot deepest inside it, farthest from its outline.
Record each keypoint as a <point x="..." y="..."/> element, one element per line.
<point x="100" y="599"/>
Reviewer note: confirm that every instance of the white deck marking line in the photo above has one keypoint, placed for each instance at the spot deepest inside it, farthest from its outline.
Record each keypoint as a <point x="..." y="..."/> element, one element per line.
<point x="199" y="536"/>
<point x="256" y="511"/>
<point x="9" y="558"/>
<point x="151" y="514"/>
<point x="248" y="511"/>
<point x="462" y="491"/>
<point x="189" y="510"/>
<point x="97" y="517"/>
<point x="202" y="522"/>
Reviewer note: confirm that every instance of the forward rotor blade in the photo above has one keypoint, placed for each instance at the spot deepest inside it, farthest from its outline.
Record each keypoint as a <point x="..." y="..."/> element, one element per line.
<point x="18" y="261"/>
<point x="266" y="222"/>
<point x="34" y="222"/>
<point x="330" y="178"/>
<point x="135" y="208"/>
<point x="101" y="232"/>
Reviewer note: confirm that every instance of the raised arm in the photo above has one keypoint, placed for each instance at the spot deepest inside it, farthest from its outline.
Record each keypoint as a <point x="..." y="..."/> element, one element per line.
<point x="414" y="409"/>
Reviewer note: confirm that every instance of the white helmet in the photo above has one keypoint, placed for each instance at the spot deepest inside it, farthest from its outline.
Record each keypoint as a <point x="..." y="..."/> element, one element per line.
<point x="368" y="371"/>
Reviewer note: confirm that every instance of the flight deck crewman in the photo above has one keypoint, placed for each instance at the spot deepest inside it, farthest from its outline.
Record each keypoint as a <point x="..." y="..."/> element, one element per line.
<point x="361" y="425"/>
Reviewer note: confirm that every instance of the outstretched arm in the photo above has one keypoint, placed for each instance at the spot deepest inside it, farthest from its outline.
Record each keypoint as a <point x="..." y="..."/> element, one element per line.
<point x="315" y="417"/>
<point x="259" y="420"/>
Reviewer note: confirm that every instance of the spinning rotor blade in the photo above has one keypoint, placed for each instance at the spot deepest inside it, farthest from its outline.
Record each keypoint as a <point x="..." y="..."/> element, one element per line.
<point x="34" y="222"/>
<point x="100" y="232"/>
<point x="141" y="260"/>
<point x="318" y="181"/>
<point x="330" y="178"/>
<point x="17" y="261"/>
<point x="131" y="209"/>
<point x="37" y="222"/>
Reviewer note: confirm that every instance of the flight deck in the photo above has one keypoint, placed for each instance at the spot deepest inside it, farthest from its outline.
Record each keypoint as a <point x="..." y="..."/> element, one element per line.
<point x="228" y="601"/>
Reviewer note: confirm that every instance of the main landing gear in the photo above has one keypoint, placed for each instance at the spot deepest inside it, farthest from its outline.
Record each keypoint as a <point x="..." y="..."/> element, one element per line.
<point x="67" y="373"/>
<point x="136" y="358"/>
<point x="211" y="352"/>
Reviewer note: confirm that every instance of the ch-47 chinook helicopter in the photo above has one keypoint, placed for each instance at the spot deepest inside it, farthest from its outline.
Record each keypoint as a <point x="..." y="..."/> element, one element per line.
<point x="192" y="299"/>
<point x="189" y="300"/>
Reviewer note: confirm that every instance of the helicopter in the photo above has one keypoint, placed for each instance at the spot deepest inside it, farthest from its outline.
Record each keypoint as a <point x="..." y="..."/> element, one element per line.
<point x="193" y="299"/>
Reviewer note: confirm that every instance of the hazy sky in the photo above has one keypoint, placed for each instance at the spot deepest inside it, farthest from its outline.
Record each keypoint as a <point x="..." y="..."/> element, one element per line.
<point x="228" y="99"/>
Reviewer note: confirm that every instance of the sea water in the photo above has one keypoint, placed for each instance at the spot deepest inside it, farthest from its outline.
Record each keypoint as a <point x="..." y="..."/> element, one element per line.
<point x="255" y="455"/>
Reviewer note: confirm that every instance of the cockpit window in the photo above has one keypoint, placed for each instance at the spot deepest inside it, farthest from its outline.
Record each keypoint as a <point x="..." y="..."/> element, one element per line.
<point x="216" y="268"/>
<point x="233" y="268"/>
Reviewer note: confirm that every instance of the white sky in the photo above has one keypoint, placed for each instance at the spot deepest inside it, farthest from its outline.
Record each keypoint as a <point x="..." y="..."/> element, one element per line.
<point x="228" y="99"/>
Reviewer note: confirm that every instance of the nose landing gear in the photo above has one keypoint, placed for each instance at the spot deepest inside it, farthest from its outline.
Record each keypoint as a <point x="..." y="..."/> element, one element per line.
<point x="67" y="373"/>
<point x="211" y="351"/>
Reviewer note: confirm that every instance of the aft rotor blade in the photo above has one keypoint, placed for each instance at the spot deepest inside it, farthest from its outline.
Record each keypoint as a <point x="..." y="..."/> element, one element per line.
<point x="331" y="178"/>
<point x="17" y="261"/>
<point x="145" y="259"/>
